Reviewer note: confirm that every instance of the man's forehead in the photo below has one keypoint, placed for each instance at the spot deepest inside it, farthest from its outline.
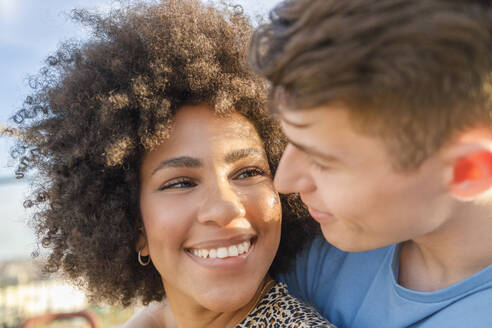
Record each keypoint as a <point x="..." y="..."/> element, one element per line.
<point x="303" y="118"/>
<point x="327" y="132"/>
<point x="298" y="121"/>
<point x="298" y="118"/>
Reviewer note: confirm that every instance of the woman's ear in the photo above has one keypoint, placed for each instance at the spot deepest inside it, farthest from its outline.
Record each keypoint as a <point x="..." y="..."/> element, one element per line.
<point x="471" y="164"/>
<point x="141" y="245"/>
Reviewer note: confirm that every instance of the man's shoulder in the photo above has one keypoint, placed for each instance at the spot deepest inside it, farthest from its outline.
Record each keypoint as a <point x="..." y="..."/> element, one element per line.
<point x="336" y="281"/>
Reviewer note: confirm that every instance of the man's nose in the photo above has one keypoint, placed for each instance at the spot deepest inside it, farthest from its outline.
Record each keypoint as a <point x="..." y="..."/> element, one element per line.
<point x="292" y="174"/>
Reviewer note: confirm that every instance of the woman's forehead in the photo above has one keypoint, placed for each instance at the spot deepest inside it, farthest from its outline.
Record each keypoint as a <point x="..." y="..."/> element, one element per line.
<point x="200" y="132"/>
<point x="202" y="120"/>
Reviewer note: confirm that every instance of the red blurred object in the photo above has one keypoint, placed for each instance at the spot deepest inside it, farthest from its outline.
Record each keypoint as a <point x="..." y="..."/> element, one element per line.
<point x="90" y="316"/>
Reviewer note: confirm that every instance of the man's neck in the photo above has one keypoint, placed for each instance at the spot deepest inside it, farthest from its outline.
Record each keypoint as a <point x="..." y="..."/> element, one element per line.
<point x="458" y="249"/>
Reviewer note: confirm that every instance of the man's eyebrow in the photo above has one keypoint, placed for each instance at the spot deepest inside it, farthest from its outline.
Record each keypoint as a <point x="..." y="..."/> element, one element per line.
<point x="182" y="161"/>
<point x="314" y="152"/>
<point x="236" y="155"/>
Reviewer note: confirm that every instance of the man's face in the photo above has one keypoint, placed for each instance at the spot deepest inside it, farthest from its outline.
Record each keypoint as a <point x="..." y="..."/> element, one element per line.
<point x="351" y="187"/>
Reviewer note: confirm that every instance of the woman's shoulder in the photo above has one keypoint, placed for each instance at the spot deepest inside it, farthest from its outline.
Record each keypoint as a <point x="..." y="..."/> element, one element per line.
<point x="279" y="308"/>
<point x="155" y="315"/>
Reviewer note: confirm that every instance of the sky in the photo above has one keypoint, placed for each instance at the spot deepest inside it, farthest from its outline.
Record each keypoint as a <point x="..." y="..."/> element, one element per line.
<point x="29" y="31"/>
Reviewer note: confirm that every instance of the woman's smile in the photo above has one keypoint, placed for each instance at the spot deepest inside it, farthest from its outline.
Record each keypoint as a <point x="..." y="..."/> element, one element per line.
<point x="226" y="257"/>
<point x="222" y="248"/>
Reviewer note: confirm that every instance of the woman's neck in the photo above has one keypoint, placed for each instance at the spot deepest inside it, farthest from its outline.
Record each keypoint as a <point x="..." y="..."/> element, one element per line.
<point x="190" y="314"/>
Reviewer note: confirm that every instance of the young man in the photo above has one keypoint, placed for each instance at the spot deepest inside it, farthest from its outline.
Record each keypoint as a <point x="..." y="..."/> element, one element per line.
<point x="387" y="107"/>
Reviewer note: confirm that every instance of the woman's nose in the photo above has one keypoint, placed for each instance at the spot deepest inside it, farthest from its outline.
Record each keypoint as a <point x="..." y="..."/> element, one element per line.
<point x="222" y="204"/>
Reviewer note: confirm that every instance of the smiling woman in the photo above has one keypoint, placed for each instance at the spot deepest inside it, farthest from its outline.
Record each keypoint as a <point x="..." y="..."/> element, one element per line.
<point x="155" y="159"/>
<point x="211" y="215"/>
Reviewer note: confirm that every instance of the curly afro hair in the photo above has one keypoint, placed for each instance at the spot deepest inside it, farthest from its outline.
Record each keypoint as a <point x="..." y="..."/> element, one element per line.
<point x="97" y="106"/>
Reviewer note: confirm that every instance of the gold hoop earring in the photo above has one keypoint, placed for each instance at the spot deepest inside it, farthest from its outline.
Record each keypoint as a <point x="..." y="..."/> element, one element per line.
<point x="143" y="263"/>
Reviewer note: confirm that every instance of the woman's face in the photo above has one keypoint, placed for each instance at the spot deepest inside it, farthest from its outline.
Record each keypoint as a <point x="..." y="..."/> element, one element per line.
<point x="211" y="215"/>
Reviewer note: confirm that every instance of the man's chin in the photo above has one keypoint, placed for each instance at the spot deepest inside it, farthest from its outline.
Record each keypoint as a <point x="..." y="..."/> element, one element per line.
<point x="346" y="243"/>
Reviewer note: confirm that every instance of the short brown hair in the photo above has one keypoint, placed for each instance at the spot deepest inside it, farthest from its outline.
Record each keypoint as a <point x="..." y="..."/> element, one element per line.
<point x="415" y="72"/>
<point x="98" y="106"/>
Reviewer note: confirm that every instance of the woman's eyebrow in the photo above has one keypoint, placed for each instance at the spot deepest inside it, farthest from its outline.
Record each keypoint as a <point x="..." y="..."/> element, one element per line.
<point x="182" y="161"/>
<point x="236" y="155"/>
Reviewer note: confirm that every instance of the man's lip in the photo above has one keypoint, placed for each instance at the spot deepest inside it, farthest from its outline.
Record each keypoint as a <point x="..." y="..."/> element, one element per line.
<point x="321" y="217"/>
<point x="221" y="242"/>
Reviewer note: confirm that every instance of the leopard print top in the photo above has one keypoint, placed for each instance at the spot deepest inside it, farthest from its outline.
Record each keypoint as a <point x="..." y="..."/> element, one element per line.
<point x="279" y="309"/>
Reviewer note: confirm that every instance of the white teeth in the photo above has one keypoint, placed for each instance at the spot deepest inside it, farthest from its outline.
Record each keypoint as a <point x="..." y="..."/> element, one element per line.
<point x="223" y="252"/>
<point x="232" y="251"/>
<point x="240" y="249"/>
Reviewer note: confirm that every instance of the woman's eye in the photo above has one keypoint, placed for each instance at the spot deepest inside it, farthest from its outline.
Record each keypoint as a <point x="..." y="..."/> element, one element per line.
<point x="179" y="184"/>
<point x="249" y="172"/>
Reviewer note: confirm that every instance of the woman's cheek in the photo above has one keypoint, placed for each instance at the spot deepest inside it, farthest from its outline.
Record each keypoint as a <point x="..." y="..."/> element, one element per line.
<point x="264" y="203"/>
<point x="166" y="221"/>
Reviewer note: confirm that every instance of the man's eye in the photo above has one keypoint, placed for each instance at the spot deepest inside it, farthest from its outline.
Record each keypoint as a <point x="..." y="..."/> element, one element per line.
<point x="317" y="165"/>
<point x="249" y="172"/>
<point x="179" y="184"/>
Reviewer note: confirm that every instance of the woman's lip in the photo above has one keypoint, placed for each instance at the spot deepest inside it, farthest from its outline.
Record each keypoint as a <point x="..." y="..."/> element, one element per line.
<point x="224" y="242"/>
<point x="227" y="263"/>
<point x="321" y="217"/>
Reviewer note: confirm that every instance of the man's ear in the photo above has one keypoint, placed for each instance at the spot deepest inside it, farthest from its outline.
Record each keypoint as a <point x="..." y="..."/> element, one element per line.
<point x="470" y="158"/>
<point x="141" y="244"/>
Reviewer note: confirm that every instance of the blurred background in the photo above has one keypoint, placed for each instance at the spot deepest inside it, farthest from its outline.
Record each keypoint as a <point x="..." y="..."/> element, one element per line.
<point x="29" y="31"/>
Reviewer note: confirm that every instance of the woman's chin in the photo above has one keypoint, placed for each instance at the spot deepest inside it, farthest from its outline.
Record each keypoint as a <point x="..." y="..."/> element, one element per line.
<point x="228" y="301"/>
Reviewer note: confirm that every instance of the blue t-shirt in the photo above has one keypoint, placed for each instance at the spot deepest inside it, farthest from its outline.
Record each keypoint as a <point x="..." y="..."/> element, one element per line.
<point x="360" y="290"/>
